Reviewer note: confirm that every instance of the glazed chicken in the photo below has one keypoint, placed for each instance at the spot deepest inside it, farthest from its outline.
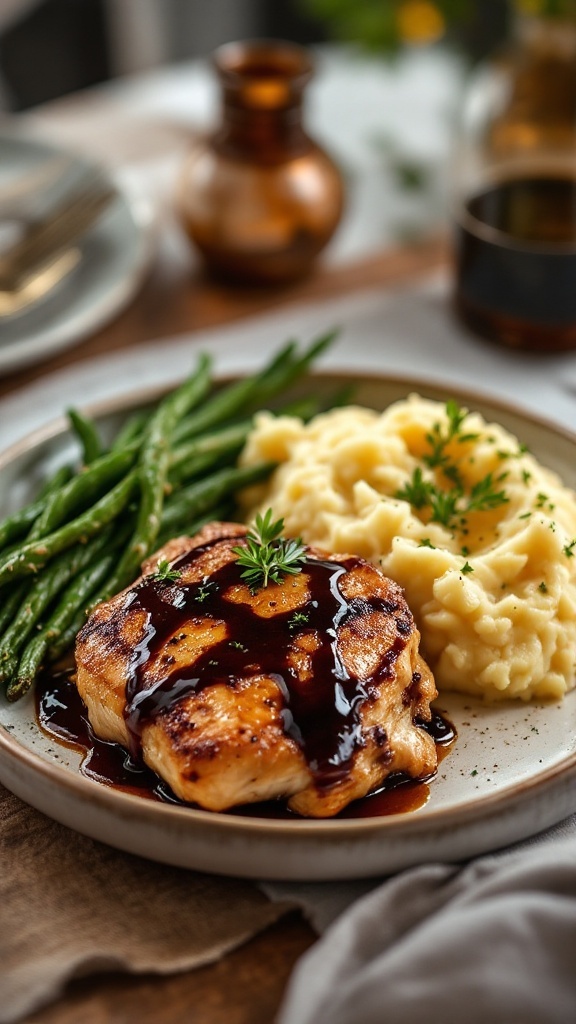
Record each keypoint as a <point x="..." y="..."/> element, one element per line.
<point x="311" y="689"/>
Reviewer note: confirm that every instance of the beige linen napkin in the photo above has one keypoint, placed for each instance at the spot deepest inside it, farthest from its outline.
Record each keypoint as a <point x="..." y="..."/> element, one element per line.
<point x="70" y="906"/>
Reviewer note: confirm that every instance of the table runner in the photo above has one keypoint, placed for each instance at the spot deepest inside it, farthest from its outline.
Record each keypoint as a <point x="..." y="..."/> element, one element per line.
<point x="404" y="331"/>
<point x="70" y="906"/>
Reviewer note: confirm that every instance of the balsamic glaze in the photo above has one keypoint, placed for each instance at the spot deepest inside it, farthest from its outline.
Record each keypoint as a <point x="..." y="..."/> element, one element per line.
<point x="323" y="719"/>
<point x="62" y="715"/>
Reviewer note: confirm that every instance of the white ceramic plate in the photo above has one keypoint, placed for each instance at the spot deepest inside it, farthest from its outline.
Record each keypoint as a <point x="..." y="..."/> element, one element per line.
<point x="511" y="773"/>
<point x="115" y="253"/>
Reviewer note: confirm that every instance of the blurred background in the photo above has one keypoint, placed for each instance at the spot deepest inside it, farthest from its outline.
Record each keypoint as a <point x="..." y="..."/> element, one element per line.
<point x="49" y="48"/>
<point x="423" y="149"/>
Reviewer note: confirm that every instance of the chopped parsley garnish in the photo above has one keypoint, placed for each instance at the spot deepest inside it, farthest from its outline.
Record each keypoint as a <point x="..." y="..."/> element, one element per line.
<point x="466" y="568"/>
<point x="298" y="619"/>
<point x="416" y="491"/>
<point x="440" y="437"/>
<point x="450" y="505"/>
<point x="206" y="588"/>
<point x="542" y="501"/>
<point x="484" y="495"/>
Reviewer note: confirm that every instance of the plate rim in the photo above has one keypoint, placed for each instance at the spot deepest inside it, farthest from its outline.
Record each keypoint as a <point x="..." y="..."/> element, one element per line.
<point x="147" y="393"/>
<point x="409" y="824"/>
<point x="317" y="828"/>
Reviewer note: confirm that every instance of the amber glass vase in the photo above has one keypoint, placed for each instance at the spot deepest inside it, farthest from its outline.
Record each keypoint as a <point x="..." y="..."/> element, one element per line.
<point x="259" y="198"/>
<point x="515" y="194"/>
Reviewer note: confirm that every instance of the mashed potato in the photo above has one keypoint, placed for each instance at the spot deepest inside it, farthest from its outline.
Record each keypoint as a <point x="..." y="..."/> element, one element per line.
<point x="480" y="536"/>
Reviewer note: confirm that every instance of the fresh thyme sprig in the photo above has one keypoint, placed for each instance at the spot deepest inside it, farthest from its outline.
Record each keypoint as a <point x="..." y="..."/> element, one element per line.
<point x="164" y="574"/>
<point x="267" y="557"/>
<point x="448" y="506"/>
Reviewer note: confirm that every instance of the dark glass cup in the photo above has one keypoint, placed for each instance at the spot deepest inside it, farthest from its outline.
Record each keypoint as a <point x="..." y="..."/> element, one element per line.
<point x="515" y="211"/>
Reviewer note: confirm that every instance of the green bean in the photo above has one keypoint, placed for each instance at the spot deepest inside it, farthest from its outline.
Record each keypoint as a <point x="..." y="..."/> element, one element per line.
<point x="74" y="597"/>
<point x="83" y="490"/>
<point x="200" y="466"/>
<point x="17" y="525"/>
<point x="87" y="433"/>
<point x="280" y="378"/>
<point x="14" y="527"/>
<point x="233" y="398"/>
<point x="197" y="498"/>
<point x="153" y="468"/>
<point x="34" y="555"/>
<point x="250" y="392"/>
<point x="61" y="476"/>
<point x="11" y="602"/>
<point x="227" y="441"/>
<point x="198" y="455"/>
<point x="303" y="408"/>
<point x="131" y="431"/>
<point x="40" y="595"/>
<point x="61" y="495"/>
<point x="222" y="512"/>
<point x="223" y="444"/>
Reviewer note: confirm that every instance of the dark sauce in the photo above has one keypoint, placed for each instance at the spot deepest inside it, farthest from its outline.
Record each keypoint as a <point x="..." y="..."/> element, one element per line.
<point x="63" y="716"/>
<point x="323" y="719"/>
<point x="516" y="263"/>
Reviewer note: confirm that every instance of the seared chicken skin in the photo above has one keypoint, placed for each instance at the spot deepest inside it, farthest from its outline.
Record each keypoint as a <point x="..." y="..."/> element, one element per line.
<point x="311" y="689"/>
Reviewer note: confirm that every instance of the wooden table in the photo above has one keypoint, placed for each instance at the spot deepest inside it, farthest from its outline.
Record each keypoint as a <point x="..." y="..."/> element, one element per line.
<point x="175" y="300"/>
<point x="246" y="987"/>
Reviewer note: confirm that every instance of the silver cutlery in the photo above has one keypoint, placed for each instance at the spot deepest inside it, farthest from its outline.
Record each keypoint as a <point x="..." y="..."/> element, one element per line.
<point x="47" y="251"/>
<point x="38" y="285"/>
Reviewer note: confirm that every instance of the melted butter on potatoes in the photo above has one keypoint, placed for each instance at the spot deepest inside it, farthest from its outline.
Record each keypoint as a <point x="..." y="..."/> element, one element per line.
<point x="493" y="589"/>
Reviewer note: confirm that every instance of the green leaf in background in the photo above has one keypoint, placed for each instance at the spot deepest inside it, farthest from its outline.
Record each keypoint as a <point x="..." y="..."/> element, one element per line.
<point x="385" y="26"/>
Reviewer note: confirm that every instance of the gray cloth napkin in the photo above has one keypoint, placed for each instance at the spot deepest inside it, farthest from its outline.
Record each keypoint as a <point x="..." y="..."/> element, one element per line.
<point x="70" y="906"/>
<point x="492" y="941"/>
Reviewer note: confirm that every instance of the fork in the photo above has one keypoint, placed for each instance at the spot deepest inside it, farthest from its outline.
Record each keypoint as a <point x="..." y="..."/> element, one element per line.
<point x="38" y="285"/>
<point x="44" y="243"/>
